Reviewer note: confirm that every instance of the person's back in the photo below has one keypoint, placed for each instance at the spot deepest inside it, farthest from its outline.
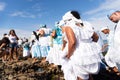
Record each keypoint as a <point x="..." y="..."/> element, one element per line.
<point x="84" y="58"/>
<point x="4" y="50"/>
<point x="4" y="42"/>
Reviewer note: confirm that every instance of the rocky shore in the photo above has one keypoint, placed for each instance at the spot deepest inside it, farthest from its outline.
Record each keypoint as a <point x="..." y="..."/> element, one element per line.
<point x="25" y="69"/>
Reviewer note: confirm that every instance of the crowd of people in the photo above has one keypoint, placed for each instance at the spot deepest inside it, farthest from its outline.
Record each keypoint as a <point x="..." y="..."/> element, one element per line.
<point x="72" y="43"/>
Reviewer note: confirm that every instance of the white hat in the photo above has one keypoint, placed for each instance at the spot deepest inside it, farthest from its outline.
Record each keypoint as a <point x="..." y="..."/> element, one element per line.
<point x="104" y="28"/>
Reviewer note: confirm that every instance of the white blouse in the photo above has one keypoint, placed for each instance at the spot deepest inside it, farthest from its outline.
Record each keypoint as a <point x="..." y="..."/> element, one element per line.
<point x="12" y="39"/>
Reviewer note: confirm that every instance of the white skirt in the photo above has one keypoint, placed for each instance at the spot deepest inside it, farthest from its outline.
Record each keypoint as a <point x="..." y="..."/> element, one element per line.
<point x="54" y="54"/>
<point x="87" y="53"/>
<point x="83" y="71"/>
<point x="86" y="60"/>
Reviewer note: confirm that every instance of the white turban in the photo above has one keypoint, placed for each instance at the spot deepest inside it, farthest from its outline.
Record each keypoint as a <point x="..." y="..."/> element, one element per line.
<point x="61" y="23"/>
<point x="104" y="28"/>
<point x="68" y="16"/>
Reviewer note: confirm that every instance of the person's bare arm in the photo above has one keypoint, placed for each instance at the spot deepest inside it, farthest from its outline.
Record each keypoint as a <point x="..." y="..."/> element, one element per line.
<point x="2" y="45"/>
<point x="71" y="41"/>
<point x="95" y="37"/>
<point x="64" y="44"/>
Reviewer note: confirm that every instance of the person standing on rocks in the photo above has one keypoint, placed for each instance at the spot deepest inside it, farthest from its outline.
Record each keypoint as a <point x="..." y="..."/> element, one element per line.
<point x="81" y="54"/>
<point x="13" y="44"/>
<point x="4" y="43"/>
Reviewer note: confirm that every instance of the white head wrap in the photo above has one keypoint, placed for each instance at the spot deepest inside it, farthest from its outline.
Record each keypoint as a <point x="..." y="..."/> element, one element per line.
<point x="104" y="28"/>
<point x="61" y="23"/>
<point x="68" y="16"/>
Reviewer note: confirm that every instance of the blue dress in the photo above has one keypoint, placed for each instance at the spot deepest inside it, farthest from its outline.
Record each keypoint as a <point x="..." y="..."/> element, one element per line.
<point x="36" y="51"/>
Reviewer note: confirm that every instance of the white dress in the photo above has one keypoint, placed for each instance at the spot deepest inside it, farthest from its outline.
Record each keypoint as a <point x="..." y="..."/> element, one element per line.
<point x="54" y="53"/>
<point x="66" y="64"/>
<point x="86" y="59"/>
<point x="44" y="45"/>
<point x="36" y="50"/>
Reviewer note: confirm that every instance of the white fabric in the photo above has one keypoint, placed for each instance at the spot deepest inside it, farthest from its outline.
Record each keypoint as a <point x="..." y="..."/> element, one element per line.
<point x="32" y="37"/>
<point x="54" y="54"/>
<point x="69" y="16"/>
<point x="86" y="56"/>
<point x="113" y="55"/>
<point x="110" y="38"/>
<point x="82" y="71"/>
<point x="63" y="60"/>
<point x="110" y="62"/>
<point x="33" y="50"/>
<point x="26" y="52"/>
<point x="86" y="53"/>
<point x="46" y="30"/>
<point x="100" y="40"/>
<point x="12" y="39"/>
<point x="20" y="42"/>
<point x="61" y="23"/>
<point x="116" y="37"/>
<point x="66" y="65"/>
<point x="104" y="28"/>
<point x="44" y="41"/>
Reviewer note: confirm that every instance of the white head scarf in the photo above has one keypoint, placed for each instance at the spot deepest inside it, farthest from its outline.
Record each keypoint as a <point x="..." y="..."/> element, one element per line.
<point x="68" y="17"/>
<point x="61" y="23"/>
<point x="69" y="20"/>
<point x="104" y="28"/>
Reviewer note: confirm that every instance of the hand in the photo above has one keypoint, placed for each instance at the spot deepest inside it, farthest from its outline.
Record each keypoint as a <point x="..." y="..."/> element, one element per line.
<point x="67" y="56"/>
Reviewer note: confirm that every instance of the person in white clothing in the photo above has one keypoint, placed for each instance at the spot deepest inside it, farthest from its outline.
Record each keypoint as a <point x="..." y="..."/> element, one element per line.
<point x="81" y="53"/>
<point x="109" y="37"/>
<point x="13" y="44"/>
<point x="113" y="51"/>
<point x="56" y="47"/>
<point x="35" y="47"/>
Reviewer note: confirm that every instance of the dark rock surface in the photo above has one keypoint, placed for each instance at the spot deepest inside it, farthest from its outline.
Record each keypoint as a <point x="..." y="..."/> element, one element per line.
<point x="29" y="70"/>
<point x="26" y="69"/>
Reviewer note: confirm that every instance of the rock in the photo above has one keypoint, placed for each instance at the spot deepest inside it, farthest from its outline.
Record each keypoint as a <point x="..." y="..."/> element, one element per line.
<point x="26" y="70"/>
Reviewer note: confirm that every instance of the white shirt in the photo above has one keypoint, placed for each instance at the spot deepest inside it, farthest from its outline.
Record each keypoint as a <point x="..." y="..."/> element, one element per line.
<point x="12" y="39"/>
<point x="117" y="37"/>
